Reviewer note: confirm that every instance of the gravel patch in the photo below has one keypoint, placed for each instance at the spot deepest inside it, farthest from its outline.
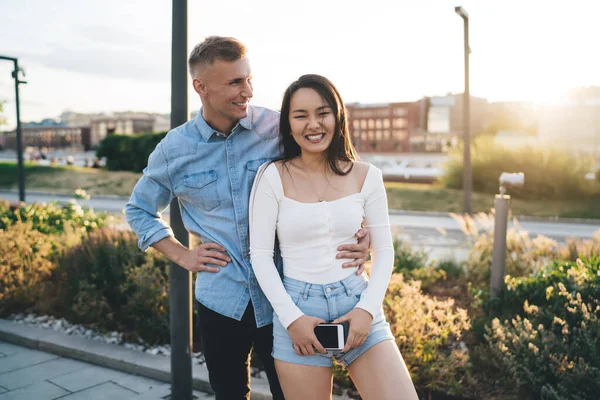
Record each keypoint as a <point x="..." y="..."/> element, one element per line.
<point x="64" y="326"/>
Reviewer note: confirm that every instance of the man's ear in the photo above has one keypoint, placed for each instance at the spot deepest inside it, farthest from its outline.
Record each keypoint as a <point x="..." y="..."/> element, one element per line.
<point x="199" y="85"/>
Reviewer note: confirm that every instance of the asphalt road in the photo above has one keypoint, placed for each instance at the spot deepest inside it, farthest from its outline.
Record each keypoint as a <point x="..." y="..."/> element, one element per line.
<point x="438" y="234"/>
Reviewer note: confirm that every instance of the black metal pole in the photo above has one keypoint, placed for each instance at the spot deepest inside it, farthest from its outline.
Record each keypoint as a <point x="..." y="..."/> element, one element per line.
<point x="467" y="173"/>
<point x="20" y="168"/>
<point x="179" y="278"/>
<point x="19" y="133"/>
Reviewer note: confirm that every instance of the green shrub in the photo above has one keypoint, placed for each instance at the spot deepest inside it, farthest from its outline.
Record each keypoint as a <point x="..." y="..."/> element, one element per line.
<point x="549" y="173"/>
<point x="415" y="264"/>
<point x="428" y="334"/>
<point x="128" y="153"/>
<point x="550" y="347"/>
<point x="146" y="309"/>
<point x="25" y="263"/>
<point x="52" y="218"/>
<point x="107" y="283"/>
<point x="451" y="267"/>
<point x="406" y="259"/>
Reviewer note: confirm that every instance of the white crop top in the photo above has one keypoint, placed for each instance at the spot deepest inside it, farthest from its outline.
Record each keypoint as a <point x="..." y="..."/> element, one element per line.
<point x="309" y="234"/>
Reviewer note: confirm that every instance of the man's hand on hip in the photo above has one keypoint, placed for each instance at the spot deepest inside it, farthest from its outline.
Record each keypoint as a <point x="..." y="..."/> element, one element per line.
<point x="207" y="257"/>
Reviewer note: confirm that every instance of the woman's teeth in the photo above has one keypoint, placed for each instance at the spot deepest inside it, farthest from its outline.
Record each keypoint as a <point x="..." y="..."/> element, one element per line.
<point x="315" y="137"/>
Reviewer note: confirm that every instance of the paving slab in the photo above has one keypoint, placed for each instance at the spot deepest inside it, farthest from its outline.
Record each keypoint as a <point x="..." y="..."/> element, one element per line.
<point x="9" y="349"/>
<point x="39" y="391"/>
<point x="87" y="377"/>
<point x="39" y="372"/>
<point x="104" y="391"/>
<point x="25" y="358"/>
<point x="139" y="384"/>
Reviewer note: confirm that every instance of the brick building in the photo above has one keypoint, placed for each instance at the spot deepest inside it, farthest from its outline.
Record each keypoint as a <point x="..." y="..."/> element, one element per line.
<point x="377" y="128"/>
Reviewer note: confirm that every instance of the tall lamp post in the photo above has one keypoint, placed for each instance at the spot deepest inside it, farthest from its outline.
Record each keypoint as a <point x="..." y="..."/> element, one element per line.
<point x="20" y="171"/>
<point x="467" y="174"/>
<point x="180" y="279"/>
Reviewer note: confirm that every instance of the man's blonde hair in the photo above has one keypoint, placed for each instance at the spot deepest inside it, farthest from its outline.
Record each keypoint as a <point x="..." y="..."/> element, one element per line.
<point x="216" y="48"/>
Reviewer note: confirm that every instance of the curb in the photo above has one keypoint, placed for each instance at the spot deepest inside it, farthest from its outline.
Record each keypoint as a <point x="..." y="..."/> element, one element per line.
<point x="112" y="356"/>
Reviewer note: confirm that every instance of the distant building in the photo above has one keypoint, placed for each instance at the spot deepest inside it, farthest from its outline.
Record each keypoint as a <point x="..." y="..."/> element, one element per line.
<point x="575" y="127"/>
<point x="442" y="122"/>
<point x="123" y="123"/>
<point x="512" y="116"/>
<point x="90" y="128"/>
<point x="47" y="136"/>
<point x="377" y="128"/>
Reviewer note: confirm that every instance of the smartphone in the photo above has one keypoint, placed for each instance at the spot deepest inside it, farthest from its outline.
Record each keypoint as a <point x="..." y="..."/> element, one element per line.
<point x="331" y="336"/>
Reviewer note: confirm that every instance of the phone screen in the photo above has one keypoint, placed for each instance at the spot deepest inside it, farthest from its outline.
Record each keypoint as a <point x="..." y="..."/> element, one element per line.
<point x="327" y="336"/>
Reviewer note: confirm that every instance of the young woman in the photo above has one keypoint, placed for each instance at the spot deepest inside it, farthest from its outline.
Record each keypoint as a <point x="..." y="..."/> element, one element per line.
<point x="314" y="200"/>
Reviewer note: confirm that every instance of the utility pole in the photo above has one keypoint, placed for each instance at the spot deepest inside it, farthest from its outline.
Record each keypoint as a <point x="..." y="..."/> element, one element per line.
<point x="467" y="173"/>
<point x="180" y="279"/>
<point x="19" y="134"/>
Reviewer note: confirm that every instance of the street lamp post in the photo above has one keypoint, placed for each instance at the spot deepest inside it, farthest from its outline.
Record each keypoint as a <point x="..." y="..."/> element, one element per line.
<point x="467" y="173"/>
<point x="180" y="279"/>
<point x="19" y="138"/>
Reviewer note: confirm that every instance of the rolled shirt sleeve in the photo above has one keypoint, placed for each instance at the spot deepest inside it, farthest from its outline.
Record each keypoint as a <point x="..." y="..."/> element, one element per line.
<point x="151" y="196"/>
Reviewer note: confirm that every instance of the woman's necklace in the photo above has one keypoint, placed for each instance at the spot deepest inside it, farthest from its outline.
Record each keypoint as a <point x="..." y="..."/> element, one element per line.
<point x="321" y="197"/>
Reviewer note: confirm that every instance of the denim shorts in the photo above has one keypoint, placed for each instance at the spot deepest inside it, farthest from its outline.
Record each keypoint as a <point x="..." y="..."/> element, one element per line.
<point x="328" y="302"/>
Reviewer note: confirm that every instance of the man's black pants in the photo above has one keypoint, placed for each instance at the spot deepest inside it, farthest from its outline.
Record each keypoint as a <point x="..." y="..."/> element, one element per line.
<point x="226" y="344"/>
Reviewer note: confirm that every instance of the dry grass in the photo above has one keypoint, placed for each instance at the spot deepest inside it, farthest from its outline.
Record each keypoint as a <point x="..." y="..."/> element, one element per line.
<point x="423" y="197"/>
<point x="66" y="179"/>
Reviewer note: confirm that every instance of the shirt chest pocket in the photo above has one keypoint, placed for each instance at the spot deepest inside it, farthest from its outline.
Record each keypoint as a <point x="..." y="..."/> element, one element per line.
<point x="253" y="167"/>
<point x="202" y="189"/>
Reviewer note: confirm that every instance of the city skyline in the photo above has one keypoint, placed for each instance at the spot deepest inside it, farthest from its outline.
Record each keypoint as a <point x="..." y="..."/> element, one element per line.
<point x="112" y="56"/>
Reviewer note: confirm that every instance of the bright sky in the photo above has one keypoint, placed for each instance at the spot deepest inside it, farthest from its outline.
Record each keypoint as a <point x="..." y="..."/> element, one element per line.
<point x="114" y="55"/>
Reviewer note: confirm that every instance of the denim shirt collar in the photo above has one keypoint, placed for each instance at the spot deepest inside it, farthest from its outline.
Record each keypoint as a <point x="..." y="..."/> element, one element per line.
<point x="206" y="131"/>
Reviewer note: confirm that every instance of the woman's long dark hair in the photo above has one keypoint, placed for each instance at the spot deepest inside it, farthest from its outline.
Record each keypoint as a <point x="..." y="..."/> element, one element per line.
<point x="341" y="147"/>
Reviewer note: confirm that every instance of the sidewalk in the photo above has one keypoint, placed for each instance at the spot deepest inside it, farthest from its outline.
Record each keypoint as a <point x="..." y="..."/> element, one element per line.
<point x="57" y="364"/>
<point x="36" y="375"/>
<point x="43" y="364"/>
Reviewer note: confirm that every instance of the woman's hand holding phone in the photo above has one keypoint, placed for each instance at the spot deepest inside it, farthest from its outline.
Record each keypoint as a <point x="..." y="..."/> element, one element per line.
<point x="360" y="325"/>
<point x="302" y="332"/>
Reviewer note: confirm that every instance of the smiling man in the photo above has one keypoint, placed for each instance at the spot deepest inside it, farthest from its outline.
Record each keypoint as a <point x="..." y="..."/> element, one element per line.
<point x="209" y="164"/>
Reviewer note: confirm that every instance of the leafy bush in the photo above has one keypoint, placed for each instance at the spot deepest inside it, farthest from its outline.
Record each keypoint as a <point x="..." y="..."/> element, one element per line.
<point x="549" y="173"/>
<point x="452" y="268"/>
<point x="52" y="218"/>
<point x="128" y="153"/>
<point x="428" y="334"/>
<point x="25" y="263"/>
<point x="550" y="347"/>
<point x="106" y="282"/>
<point x="406" y="259"/>
<point x="415" y="264"/>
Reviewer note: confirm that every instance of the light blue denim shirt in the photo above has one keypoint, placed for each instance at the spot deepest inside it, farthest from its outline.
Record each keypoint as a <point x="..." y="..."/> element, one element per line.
<point x="212" y="175"/>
